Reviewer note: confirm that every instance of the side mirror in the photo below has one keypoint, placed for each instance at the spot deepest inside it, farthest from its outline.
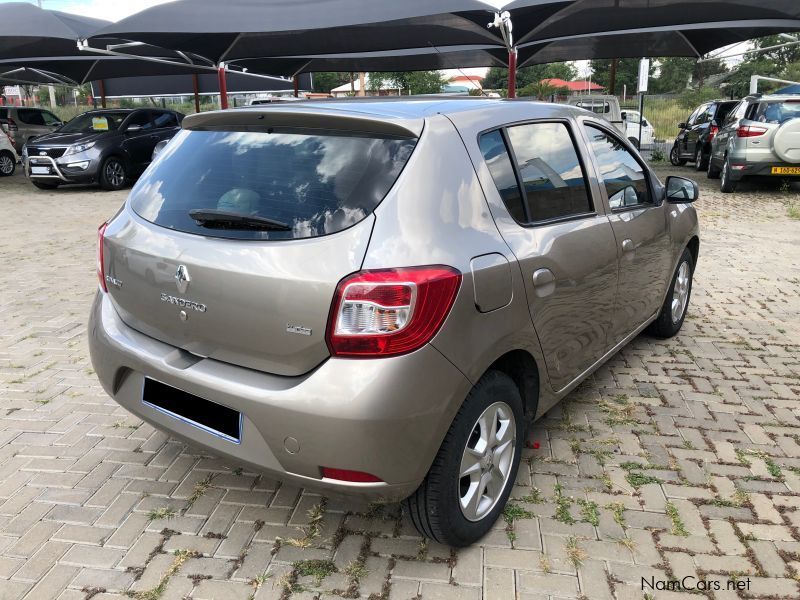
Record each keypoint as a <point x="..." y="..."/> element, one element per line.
<point x="645" y="123"/>
<point x="680" y="190"/>
<point x="681" y="125"/>
<point x="133" y="128"/>
<point x="623" y="115"/>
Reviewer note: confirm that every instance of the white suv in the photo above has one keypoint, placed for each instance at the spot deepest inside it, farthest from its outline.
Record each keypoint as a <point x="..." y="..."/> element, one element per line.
<point x="8" y="154"/>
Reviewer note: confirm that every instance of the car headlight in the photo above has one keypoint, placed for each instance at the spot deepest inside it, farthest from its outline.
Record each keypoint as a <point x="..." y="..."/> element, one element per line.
<point x="78" y="148"/>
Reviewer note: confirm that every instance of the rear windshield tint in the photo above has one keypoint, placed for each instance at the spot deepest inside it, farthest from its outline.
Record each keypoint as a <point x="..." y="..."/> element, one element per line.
<point x="317" y="184"/>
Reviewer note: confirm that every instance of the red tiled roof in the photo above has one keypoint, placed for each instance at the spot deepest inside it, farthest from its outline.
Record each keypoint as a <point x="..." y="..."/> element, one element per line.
<point x="574" y="86"/>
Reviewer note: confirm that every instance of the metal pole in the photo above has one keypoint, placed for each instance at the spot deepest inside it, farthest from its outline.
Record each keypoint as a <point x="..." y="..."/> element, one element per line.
<point x="196" y="85"/>
<point x="512" y="73"/>
<point x="296" y="83"/>
<point x="612" y="80"/>
<point x="641" y="117"/>
<point x="223" y="88"/>
<point x="102" y="93"/>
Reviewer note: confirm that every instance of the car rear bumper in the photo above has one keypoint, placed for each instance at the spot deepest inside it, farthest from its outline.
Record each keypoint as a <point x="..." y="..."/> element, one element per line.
<point x="386" y="417"/>
<point x="759" y="169"/>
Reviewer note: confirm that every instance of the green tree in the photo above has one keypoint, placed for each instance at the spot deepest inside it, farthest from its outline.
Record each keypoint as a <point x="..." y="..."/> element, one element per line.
<point x="627" y="74"/>
<point x="409" y="82"/>
<point x="541" y="90"/>
<point x="497" y="77"/>
<point x="325" y="82"/>
<point x="778" y="62"/>
<point x="675" y="73"/>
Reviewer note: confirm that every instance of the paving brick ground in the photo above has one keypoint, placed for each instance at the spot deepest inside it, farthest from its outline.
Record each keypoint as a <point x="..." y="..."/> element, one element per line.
<point x="678" y="458"/>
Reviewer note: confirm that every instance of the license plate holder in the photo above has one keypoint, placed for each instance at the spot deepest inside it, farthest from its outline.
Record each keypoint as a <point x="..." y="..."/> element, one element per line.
<point x="211" y="417"/>
<point x="40" y="170"/>
<point x="785" y="170"/>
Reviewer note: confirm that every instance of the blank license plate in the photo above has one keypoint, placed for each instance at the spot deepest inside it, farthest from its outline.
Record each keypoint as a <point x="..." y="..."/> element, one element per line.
<point x="211" y="417"/>
<point x="40" y="170"/>
<point x="786" y="170"/>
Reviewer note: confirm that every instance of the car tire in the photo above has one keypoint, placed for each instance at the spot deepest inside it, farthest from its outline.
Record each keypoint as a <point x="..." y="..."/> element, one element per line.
<point x="673" y="311"/>
<point x="45" y="185"/>
<point x="440" y="509"/>
<point x="726" y="184"/>
<point x="113" y="174"/>
<point x="675" y="157"/>
<point x="712" y="172"/>
<point x="700" y="160"/>
<point x="8" y="163"/>
<point x="634" y="141"/>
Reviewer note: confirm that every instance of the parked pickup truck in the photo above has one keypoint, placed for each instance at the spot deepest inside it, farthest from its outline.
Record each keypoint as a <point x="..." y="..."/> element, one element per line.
<point x="626" y="121"/>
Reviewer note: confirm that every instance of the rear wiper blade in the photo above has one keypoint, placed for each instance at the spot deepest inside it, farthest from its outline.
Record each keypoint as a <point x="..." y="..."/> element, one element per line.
<point x="223" y="219"/>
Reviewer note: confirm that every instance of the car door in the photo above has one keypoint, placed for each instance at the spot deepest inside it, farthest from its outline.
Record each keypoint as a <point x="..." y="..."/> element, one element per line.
<point x="561" y="238"/>
<point x="698" y="128"/>
<point x="639" y="223"/>
<point x="685" y="134"/>
<point x="139" y="144"/>
<point x="727" y="129"/>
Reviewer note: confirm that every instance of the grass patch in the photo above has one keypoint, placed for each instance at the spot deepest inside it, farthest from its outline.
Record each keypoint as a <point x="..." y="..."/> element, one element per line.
<point x="618" y="511"/>
<point x="589" y="511"/>
<point x="316" y="568"/>
<point x="535" y="497"/>
<point x="162" y="512"/>
<point x="637" y="480"/>
<point x="678" y="527"/>
<point x="575" y="554"/>
<point x="513" y="512"/>
<point x="154" y="594"/>
<point x="562" y="506"/>
<point x="793" y="211"/>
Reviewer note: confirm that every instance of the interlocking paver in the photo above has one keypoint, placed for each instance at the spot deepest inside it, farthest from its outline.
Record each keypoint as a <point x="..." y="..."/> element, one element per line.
<point x="711" y="418"/>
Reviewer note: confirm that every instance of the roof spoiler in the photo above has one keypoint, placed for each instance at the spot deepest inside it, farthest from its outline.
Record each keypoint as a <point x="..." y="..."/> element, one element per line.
<point x="304" y="119"/>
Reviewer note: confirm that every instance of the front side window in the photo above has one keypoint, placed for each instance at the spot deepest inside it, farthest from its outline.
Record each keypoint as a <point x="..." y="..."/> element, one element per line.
<point x="141" y="118"/>
<point x="50" y="118"/>
<point x="30" y="116"/>
<point x="624" y="178"/>
<point x="165" y="119"/>
<point x="550" y="172"/>
<point x="305" y="185"/>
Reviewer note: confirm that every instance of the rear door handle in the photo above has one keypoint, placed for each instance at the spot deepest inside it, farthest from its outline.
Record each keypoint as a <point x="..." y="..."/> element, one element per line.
<point x="544" y="282"/>
<point x="627" y="246"/>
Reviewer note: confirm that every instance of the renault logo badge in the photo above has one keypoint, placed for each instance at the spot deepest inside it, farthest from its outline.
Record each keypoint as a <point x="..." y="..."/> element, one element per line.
<point x="182" y="278"/>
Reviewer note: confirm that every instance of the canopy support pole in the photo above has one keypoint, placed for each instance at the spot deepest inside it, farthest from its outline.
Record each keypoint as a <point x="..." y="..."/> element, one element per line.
<point x="223" y="88"/>
<point x="296" y="83"/>
<point x="196" y="86"/>
<point x="512" y="73"/>
<point x="102" y="93"/>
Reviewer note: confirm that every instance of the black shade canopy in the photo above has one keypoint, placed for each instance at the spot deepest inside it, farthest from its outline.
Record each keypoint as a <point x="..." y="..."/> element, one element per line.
<point x="77" y="70"/>
<point x="233" y="29"/>
<point x="582" y="17"/>
<point x="690" y="41"/>
<point x="26" y="31"/>
<point x="421" y="59"/>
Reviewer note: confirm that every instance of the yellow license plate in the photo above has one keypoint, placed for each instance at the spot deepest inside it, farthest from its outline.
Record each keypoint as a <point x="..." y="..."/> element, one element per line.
<point x="786" y="170"/>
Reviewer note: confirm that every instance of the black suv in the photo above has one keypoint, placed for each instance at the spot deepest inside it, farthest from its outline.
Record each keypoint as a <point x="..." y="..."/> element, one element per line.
<point x="694" y="141"/>
<point x="109" y="147"/>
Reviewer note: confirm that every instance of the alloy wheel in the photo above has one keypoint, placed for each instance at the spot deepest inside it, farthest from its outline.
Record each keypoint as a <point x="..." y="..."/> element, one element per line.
<point x="680" y="293"/>
<point x="115" y="173"/>
<point x="6" y="164"/>
<point x="487" y="461"/>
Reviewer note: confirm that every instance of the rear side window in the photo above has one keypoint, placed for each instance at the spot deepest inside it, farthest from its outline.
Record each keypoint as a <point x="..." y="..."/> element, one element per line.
<point x="494" y="151"/>
<point x="547" y="166"/>
<point x="777" y="112"/>
<point x="624" y="178"/>
<point x="30" y="117"/>
<point x="316" y="184"/>
<point x="3" y="113"/>
<point x="165" y="120"/>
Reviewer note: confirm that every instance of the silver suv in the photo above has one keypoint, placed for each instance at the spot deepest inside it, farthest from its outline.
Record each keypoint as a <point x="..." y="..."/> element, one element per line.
<point x="25" y="123"/>
<point x="379" y="297"/>
<point x="760" y="136"/>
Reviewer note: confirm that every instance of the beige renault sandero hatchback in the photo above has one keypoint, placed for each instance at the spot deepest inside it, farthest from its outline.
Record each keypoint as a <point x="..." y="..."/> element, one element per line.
<point x="378" y="297"/>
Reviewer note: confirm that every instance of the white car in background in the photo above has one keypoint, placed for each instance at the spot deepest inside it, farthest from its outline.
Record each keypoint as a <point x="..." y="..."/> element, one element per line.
<point x="8" y="154"/>
<point x="631" y="119"/>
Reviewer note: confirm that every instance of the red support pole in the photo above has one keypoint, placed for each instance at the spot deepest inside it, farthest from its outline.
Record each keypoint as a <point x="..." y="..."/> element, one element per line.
<point x="102" y="93"/>
<point x="196" y="85"/>
<point x="223" y="89"/>
<point x="296" y="86"/>
<point x="512" y="74"/>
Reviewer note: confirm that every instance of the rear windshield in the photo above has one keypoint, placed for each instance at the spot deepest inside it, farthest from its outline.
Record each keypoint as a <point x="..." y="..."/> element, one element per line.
<point x="316" y="184"/>
<point x="777" y="112"/>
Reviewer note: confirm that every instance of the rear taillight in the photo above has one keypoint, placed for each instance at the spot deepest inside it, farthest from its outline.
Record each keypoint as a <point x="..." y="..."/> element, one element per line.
<point x="101" y="270"/>
<point x="712" y="131"/>
<point x="750" y="131"/>
<point x="390" y="311"/>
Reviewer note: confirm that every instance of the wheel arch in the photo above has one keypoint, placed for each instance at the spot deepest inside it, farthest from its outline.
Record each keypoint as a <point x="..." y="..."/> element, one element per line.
<point x="522" y="368"/>
<point x="694" y="248"/>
